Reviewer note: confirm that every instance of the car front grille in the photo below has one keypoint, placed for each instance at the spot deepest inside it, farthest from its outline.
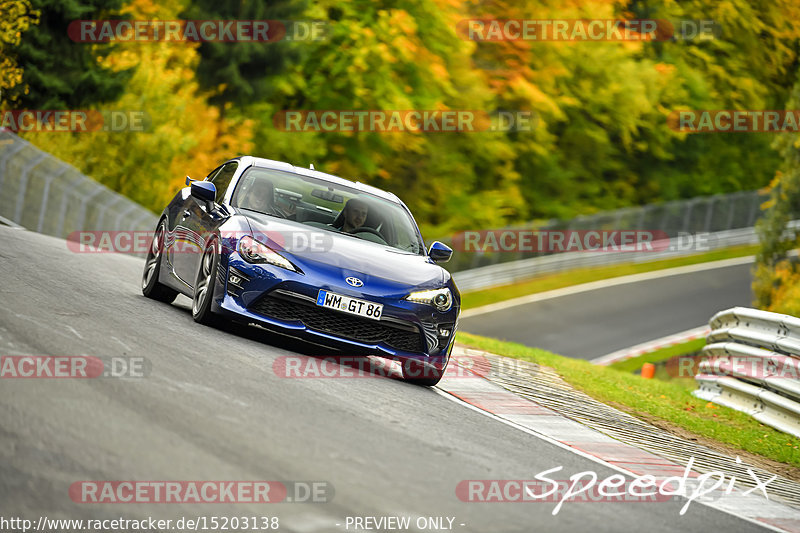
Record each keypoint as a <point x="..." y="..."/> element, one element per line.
<point x="281" y="306"/>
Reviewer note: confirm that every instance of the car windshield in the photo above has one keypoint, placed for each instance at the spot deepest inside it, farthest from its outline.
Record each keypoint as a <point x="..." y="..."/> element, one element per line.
<point x="328" y="206"/>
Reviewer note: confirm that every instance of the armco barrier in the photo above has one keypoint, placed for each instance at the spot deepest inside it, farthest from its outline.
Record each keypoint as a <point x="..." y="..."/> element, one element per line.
<point x="706" y="215"/>
<point x="506" y="273"/>
<point x="44" y="194"/>
<point x="750" y="363"/>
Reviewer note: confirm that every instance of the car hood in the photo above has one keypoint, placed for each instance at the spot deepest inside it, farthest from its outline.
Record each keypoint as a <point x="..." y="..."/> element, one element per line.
<point x="311" y="248"/>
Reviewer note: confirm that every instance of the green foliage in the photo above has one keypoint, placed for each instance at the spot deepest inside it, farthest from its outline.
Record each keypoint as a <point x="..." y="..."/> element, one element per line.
<point x="16" y="17"/>
<point x="184" y="135"/>
<point x="777" y="277"/>
<point x="600" y="140"/>
<point x="61" y="73"/>
<point x="241" y="73"/>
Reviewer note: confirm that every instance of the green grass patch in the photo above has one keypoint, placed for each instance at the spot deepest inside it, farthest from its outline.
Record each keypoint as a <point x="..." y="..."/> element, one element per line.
<point x="669" y="401"/>
<point x="560" y="280"/>
<point x="656" y="356"/>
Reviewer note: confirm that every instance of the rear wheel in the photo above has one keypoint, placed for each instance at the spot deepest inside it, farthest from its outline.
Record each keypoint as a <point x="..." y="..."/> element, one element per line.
<point x="151" y="287"/>
<point x="204" y="286"/>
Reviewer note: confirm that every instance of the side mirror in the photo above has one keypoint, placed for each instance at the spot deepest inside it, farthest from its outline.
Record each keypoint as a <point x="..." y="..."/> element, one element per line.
<point x="188" y="181"/>
<point x="439" y="252"/>
<point x="204" y="190"/>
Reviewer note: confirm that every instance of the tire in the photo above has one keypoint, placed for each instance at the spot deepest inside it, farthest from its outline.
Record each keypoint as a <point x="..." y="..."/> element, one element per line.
<point x="151" y="287"/>
<point x="204" y="286"/>
<point x="416" y="373"/>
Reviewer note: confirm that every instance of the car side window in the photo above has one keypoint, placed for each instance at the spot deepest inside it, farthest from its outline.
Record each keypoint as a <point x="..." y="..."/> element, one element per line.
<point x="213" y="173"/>
<point x="222" y="179"/>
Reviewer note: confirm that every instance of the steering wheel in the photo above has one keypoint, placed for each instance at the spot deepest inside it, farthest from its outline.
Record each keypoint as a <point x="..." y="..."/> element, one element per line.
<point x="365" y="229"/>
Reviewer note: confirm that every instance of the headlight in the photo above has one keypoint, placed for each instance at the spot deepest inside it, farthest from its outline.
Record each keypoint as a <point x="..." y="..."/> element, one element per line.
<point x="441" y="299"/>
<point x="253" y="251"/>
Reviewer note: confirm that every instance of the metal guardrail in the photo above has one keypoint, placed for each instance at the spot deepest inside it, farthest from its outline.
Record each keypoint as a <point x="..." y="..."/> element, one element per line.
<point x="507" y="273"/>
<point x="704" y="215"/>
<point x="46" y="195"/>
<point x="751" y="363"/>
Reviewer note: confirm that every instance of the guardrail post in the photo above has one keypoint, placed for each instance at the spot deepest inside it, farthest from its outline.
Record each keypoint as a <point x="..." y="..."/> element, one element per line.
<point x="121" y="215"/>
<point x="23" y="185"/>
<point x="5" y="158"/>
<point x="105" y="208"/>
<point x="64" y="199"/>
<point x="709" y="214"/>
<point x="84" y="204"/>
<point x="46" y="196"/>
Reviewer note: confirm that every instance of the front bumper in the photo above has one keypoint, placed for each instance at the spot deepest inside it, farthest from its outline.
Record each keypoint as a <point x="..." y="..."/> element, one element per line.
<point x="285" y="302"/>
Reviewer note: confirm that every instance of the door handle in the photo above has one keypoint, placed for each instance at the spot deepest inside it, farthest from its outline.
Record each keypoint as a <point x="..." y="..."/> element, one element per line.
<point x="186" y="214"/>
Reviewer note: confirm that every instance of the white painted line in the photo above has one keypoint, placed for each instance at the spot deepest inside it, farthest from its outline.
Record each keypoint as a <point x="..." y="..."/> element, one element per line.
<point x="605" y="283"/>
<point x="651" y="346"/>
<point x="759" y="508"/>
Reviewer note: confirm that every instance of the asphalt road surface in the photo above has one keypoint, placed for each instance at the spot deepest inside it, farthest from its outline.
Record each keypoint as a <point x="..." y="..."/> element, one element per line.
<point x="594" y="323"/>
<point x="211" y="408"/>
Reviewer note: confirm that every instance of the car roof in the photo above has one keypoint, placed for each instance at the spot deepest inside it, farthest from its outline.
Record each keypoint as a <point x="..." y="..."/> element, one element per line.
<point x="281" y="165"/>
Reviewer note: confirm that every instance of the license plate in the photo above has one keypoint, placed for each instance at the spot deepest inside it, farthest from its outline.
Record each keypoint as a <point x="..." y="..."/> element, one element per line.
<point x="346" y="304"/>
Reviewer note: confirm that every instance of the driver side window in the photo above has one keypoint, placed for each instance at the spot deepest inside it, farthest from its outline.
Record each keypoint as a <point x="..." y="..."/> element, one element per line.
<point x="222" y="178"/>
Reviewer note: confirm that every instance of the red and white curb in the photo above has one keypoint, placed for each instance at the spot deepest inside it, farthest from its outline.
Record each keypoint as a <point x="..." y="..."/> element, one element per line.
<point x="496" y="402"/>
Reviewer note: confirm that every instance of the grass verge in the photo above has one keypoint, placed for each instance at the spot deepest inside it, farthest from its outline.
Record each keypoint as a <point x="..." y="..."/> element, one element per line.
<point x="559" y="280"/>
<point x="656" y="356"/>
<point x="669" y="402"/>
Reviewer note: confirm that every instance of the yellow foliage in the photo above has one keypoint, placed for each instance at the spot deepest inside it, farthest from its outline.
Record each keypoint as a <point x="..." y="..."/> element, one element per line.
<point x="16" y="16"/>
<point x="184" y="134"/>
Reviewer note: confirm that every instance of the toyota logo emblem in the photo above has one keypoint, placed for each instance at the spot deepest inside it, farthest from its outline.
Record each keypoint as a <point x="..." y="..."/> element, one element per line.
<point x="355" y="282"/>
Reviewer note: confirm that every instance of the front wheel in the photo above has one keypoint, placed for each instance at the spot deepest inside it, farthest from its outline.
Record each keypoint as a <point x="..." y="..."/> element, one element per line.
<point x="151" y="287"/>
<point x="204" y="286"/>
<point x="418" y="373"/>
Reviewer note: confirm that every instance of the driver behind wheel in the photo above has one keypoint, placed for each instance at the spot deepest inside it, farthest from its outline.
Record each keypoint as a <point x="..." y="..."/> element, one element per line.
<point x="355" y="214"/>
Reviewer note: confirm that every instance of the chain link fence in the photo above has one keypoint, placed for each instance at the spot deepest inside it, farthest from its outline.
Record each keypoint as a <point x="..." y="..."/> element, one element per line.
<point x="702" y="215"/>
<point x="44" y="194"/>
<point x="47" y="195"/>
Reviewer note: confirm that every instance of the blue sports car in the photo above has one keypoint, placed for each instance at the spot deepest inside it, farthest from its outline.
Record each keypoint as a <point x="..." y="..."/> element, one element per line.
<point x="311" y="255"/>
